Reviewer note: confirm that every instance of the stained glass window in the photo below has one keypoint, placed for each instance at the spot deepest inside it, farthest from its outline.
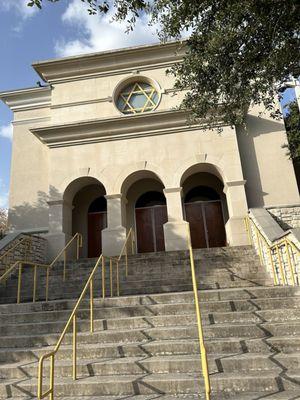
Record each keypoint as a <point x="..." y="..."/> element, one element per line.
<point x="137" y="97"/>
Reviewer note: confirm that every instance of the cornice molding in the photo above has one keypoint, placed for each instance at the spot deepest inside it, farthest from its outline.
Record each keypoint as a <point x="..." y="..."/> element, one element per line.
<point x="27" y="99"/>
<point x="81" y="103"/>
<point x="31" y="121"/>
<point x="109" y="62"/>
<point x="108" y="99"/>
<point x="117" y="128"/>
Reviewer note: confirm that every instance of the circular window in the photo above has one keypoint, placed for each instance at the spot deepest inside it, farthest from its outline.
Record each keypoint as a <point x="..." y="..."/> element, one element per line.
<point x="137" y="97"/>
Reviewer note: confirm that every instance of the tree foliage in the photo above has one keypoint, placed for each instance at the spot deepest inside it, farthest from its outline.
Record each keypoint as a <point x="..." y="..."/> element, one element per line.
<point x="237" y="52"/>
<point x="3" y="221"/>
<point x="292" y="124"/>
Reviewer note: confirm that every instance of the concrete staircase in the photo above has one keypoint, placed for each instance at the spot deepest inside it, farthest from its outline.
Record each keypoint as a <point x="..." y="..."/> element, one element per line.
<point x="145" y="343"/>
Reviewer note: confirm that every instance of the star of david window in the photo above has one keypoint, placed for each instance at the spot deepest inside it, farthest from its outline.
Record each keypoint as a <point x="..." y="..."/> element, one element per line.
<point x="137" y="98"/>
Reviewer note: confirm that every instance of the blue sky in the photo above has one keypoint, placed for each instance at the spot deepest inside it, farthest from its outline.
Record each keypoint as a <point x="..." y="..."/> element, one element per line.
<point x="60" y="29"/>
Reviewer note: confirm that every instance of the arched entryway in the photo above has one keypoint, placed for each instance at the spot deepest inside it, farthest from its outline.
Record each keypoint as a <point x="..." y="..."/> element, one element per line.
<point x="83" y="212"/>
<point x="97" y="221"/>
<point x="150" y="216"/>
<point x="205" y="209"/>
<point x="146" y="210"/>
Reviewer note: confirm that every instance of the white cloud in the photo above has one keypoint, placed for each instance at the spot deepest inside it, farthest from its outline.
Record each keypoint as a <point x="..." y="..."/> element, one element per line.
<point x="99" y="33"/>
<point x="18" y="6"/>
<point x="6" y="131"/>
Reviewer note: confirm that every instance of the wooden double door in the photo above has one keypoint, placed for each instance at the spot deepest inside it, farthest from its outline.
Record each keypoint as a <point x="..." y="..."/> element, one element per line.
<point x="149" y="228"/>
<point x="206" y="223"/>
<point x="97" y="221"/>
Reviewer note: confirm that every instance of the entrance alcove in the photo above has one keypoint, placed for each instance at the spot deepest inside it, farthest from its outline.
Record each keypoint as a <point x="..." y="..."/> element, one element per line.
<point x="85" y="212"/>
<point x="146" y="210"/>
<point x="205" y="207"/>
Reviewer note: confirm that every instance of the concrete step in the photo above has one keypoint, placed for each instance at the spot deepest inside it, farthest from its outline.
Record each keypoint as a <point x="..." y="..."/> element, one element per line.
<point x="209" y="307"/>
<point x="142" y="322"/>
<point x="252" y="294"/>
<point x="165" y="364"/>
<point x="265" y="330"/>
<point x="228" y="346"/>
<point x="183" y="383"/>
<point x="277" y="395"/>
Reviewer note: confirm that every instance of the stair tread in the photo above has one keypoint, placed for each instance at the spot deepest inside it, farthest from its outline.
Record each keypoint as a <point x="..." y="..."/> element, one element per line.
<point x="152" y="359"/>
<point x="216" y="314"/>
<point x="237" y="339"/>
<point x="285" y="395"/>
<point x="158" y="376"/>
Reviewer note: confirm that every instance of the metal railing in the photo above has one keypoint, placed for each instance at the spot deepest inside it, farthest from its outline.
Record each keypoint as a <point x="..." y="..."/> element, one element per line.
<point x="19" y="265"/>
<point x="72" y="321"/>
<point x="124" y="252"/>
<point x="203" y="354"/>
<point x="281" y="256"/>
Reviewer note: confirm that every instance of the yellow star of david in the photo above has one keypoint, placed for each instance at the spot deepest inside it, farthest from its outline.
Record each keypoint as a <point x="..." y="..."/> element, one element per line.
<point x="148" y="92"/>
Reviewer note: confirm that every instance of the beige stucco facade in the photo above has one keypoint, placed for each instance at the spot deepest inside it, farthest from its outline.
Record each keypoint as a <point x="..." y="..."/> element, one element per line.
<point x="71" y="144"/>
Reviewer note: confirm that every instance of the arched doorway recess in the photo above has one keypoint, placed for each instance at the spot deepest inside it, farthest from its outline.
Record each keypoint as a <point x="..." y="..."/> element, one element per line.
<point x="205" y="209"/>
<point x="150" y="216"/>
<point x="83" y="201"/>
<point x="146" y="210"/>
<point x="97" y="221"/>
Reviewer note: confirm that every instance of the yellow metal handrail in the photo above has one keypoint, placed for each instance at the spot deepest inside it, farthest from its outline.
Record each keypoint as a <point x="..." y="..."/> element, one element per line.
<point x="124" y="252"/>
<point x="21" y="263"/>
<point x="71" y="321"/>
<point x="274" y="248"/>
<point x="78" y="238"/>
<point x="203" y="354"/>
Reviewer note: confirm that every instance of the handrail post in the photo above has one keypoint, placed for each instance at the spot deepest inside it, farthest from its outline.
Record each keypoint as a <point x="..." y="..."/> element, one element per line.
<point x="65" y="262"/>
<point x="34" y="283"/>
<point x="91" y="306"/>
<point x="275" y="277"/>
<point x="126" y="261"/>
<point x="111" y="277"/>
<point x="118" y="279"/>
<point x="289" y="262"/>
<point x="248" y="229"/>
<point x="77" y="247"/>
<point x="103" y="277"/>
<point x="259" y="246"/>
<point x="19" y="283"/>
<point x="132" y="241"/>
<point x="52" y="377"/>
<point x="280" y="265"/>
<point x="74" y="372"/>
<point x="40" y="378"/>
<point x="47" y="283"/>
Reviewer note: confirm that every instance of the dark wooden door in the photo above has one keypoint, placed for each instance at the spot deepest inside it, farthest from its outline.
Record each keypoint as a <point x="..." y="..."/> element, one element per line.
<point x="144" y="230"/>
<point x="96" y="223"/>
<point x="160" y="218"/>
<point x="216" y="235"/>
<point x="206" y="224"/>
<point x="149" y="228"/>
<point x="194" y="215"/>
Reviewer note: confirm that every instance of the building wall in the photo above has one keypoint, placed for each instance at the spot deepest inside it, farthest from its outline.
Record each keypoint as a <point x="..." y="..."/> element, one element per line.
<point x="29" y="184"/>
<point x="266" y="167"/>
<point x="42" y="171"/>
<point x="288" y="217"/>
<point x="92" y="97"/>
